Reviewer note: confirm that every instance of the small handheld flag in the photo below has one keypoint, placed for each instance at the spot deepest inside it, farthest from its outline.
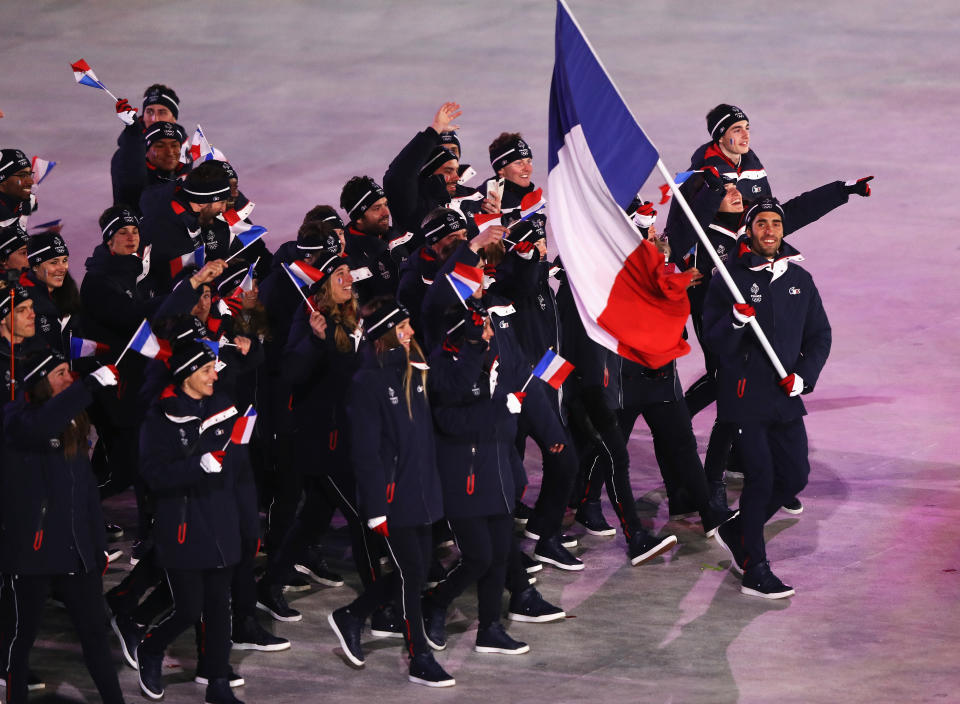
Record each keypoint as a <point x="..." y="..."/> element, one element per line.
<point x="303" y="276"/>
<point x="194" y="258"/>
<point x="532" y="203"/>
<point x="465" y="280"/>
<point x="40" y="168"/>
<point x="85" y="76"/>
<point x="45" y="226"/>
<point x="247" y="234"/>
<point x="81" y="347"/>
<point x="552" y="368"/>
<point x="200" y="149"/>
<point x="147" y="344"/>
<point x="484" y="221"/>
<point x="243" y="427"/>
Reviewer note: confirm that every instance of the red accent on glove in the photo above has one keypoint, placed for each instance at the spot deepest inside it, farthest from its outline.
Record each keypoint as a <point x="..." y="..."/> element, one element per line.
<point x="523" y="247"/>
<point x="745" y="309"/>
<point x="234" y="304"/>
<point x="219" y="455"/>
<point x="116" y="372"/>
<point x="381" y="529"/>
<point x="865" y="191"/>
<point x="520" y="395"/>
<point x="123" y="106"/>
<point x="787" y="383"/>
<point x="664" y="194"/>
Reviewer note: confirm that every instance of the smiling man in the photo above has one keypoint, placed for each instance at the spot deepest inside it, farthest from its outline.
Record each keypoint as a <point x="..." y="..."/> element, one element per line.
<point x="730" y="153"/>
<point x="766" y="410"/>
<point x="16" y="187"/>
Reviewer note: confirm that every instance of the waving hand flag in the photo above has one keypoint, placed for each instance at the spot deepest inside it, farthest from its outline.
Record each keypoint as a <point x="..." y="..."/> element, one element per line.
<point x="465" y="280"/>
<point x="243" y="427"/>
<point x="484" y="221"/>
<point x="553" y="369"/>
<point x="599" y="157"/>
<point x="200" y="149"/>
<point x="40" y="168"/>
<point x="147" y="344"/>
<point x="85" y="75"/>
<point x="81" y="347"/>
<point x="194" y="258"/>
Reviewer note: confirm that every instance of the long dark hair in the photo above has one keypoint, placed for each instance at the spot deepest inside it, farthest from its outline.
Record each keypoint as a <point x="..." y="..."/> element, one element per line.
<point x="74" y="438"/>
<point x="67" y="297"/>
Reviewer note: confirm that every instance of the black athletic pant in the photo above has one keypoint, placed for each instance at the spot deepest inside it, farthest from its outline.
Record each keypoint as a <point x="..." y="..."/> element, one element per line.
<point x="322" y="494"/>
<point x="775" y="469"/>
<point x="517" y="577"/>
<point x="412" y="550"/>
<point x="485" y="544"/>
<point x="82" y="594"/>
<point x="556" y="486"/>
<point x="608" y="463"/>
<point x="675" y="446"/>
<point x="288" y="492"/>
<point x="195" y="593"/>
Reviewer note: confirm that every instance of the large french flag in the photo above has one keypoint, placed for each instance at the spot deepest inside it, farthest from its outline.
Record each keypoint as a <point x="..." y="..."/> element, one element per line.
<point x="599" y="157"/>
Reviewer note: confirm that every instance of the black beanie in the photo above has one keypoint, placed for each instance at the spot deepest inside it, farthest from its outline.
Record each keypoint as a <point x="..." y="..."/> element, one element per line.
<point x="384" y="319"/>
<point x="117" y="218"/>
<point x="164" y="130"/>
<point x="765" y="204"/>
<point x="12" y="238"/>
<point x="438" y="157"/>
<point x="503" y="154"/>
<point x="721" y="117"/>
<point x="188" y="357"/>
<point x="37" y="366"/>
<point x="359" y="194"/>
<point x="448" y="138"/>
<point x="187" y="329"/>
<point x="45" y="245"/>
<point x="206" y="184"/>
<point x="319" y="242"/>
<point x="162" y="96"/>
<point x="12" y="161"/>
<point x="19" y="296"/>
<point x="445" y="222"/>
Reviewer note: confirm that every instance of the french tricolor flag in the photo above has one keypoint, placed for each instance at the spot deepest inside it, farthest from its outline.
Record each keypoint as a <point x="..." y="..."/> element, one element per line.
<point x="553" y="369"/>
<point x="246" y="233"/>
<point x="40" y="168"/>
<point x="85" y="75"/>
<point x="302" y="274"/>
<point x="81" y="347"/>
<point x="148" y="344"/>
<point x="233" y="216"/>
<point x="243" y="427"/>
<point x="483" y="221"/>
<point x="194" y="258"/>
<point x="598" y="159"/>
<point x="465" y="280"/>
<point x="200" y="149"/>
<point x="532" y="203"/>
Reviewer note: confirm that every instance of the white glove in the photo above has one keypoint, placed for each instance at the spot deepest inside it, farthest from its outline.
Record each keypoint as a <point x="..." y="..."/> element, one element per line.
<point x="374" y="522"/>
<point x="515" y="401"/>
<point x="212" y="462"/>
<point x="743" y="313"/>
<point x="106" y="376"/>
<point x="792" y="384"/>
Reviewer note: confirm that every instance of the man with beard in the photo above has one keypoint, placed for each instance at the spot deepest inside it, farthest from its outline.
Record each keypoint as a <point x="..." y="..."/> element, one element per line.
<point x="767" y="410"/>
<point x="160" y="164"/>
<point x="17" y="201"/>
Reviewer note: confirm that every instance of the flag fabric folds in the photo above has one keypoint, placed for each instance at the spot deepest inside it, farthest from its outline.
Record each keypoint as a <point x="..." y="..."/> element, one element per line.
<point x="302" y="274"/>
<point x="148" y="344"/>
<point x="81" y="347"/>
<point x="194" y="258"/>
<point x="243" y="427"/>
<point x="41" y="168"/>
<point x="85" y="75"/>
<point x="599" y="157"/>
<point x="465" y="280"/>
<point x="553" y="369"/>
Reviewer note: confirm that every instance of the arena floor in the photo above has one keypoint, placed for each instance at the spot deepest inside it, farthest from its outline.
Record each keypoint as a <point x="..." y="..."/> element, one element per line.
<point x="302" y="95"/>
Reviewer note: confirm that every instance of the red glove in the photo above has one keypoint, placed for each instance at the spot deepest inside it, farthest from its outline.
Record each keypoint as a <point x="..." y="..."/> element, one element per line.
<point x="743" y="313"/>
<point x="792" y="384"/>
<point x="524" y="249"/>
<point x="712" y="178"/>
<point x="861" y="186"/>
<point x="232" y="305"/>
<point x="126" y="113"/>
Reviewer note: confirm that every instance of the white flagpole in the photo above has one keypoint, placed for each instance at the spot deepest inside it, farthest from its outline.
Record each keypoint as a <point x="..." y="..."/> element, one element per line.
<point x="243" y="248"/>
<point x="299" y="290"/>
<point x="728" y="280"/>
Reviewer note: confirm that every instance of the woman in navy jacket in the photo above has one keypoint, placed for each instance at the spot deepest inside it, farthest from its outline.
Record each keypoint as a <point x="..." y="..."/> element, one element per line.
<point x="394" y="460"/>
<point x="195" y="472"/>
<point x="52" y="534"/>
<point x="476" y="421"/>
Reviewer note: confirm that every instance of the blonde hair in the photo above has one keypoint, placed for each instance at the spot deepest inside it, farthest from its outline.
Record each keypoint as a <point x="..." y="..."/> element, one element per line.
<point x="343" y="315"/>
<point x="390" y="341"/>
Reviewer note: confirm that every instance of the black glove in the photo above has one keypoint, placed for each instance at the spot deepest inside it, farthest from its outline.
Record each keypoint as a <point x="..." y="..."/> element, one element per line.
<point x="712" y="178"/>
<point x="475" y="317"/>
<point x="861" y="187"/>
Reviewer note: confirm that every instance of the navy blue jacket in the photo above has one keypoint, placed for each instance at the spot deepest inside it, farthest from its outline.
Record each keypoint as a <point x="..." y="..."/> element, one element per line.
<point x="52" y="522"/>
<point x="319" y="375"/>
<point x="749" y="174"/>
<point x="475" y="432"/>
<point x="791" y="314"/>
<point x="200" y="518"/>
<point x="392" y="448"/>
<point x="48" y="316"/>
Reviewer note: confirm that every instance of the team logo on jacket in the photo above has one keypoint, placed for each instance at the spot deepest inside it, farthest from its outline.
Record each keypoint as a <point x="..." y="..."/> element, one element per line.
<point x="55" y="443"/>
<point x="541" y="301"/>
<point x="129" y="293"/>
<point x="755" y="295"/>
<point x="392" y="395"/>
<point x="384" y="272"/>
<point x="475" y="390"/>
<point x="793" y="291"/>
<point x="721" y="251"/>
<point x="755" y="189"/>
<point x="45" y="324"/>
<point x="183" y="438"/>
